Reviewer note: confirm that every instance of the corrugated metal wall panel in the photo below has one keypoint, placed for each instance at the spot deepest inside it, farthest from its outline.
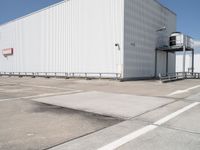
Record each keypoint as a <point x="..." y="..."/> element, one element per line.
<point x="171" y="63"/>
<point x="142" y="19"/>
<point x="74" y="36"/>
<point x="188" y="63"/>
<point x="161" y="62"/>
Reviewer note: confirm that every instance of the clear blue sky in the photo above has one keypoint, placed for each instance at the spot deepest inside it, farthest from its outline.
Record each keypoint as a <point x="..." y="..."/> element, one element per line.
<point x="188" y="12"/>
<point x="11" y="9"/>
<point x="188" y="15"/>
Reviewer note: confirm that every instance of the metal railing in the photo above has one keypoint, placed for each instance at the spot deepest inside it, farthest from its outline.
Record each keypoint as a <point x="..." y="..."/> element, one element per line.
<point x="178" y="76"/>
<point x="66" y="75"/>
<point x="189" y="75"/>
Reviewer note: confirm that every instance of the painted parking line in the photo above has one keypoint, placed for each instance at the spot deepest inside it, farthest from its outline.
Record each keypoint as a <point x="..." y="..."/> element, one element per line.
<point x="42" y="95"/>
<point x="10" y="99"/>
<point x="146" y="129"/>
<point x="16" y="90"/>
<point x="39" y="86"/>
<point x="47" y="87"/>
<point x="184" y="91"/>
<point x="175" y="114"/>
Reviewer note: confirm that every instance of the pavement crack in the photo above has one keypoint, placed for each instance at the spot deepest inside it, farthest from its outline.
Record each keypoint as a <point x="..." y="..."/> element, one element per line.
<point x="177" y="129"/>
<point x="153" y="109"/>
<point x="81" y="136"/>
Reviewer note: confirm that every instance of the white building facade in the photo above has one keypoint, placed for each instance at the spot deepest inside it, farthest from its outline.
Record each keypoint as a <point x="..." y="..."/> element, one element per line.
<point x="108" y="38"/>
<point x="188" y="62"/>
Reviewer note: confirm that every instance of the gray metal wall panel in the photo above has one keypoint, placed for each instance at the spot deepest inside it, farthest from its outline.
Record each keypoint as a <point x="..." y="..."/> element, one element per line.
<point x="73" y="36"/>
<point x="172" y="63"/>
<point x="142" y="19"/>
<point x="161" y="62"/>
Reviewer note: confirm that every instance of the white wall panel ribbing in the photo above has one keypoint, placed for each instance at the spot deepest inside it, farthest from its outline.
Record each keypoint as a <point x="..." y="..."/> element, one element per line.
<point x="142" y="19"/>
<point x="72" y="36"/>
<point x="80" y="36"/>
<point x="188" y="62"/>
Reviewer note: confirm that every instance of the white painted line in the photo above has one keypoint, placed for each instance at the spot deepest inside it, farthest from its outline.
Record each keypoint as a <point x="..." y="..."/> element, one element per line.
<point x="184" y="91"/>
<point x="128" y="138"/>
<point x="175" y="114"/>
<point x="41" y="95"/>
<point x="145" y="129"/>
<point x="32" y="85"/>
<point x="16" y="90"/>
<point x="48" y="87"/>
<point x="9" y="99"/>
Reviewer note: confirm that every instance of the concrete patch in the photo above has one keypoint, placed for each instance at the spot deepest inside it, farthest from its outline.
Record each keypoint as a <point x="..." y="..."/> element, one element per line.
<point x="116" y="105"/>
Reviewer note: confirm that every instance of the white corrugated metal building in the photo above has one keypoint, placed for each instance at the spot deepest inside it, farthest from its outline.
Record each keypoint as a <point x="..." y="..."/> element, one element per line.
<point x="188" y="62"/>
<point x="188" y="59"/>
<point x="105" y="38"/>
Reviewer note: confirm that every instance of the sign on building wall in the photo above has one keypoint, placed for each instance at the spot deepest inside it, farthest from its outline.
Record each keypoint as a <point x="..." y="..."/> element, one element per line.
<point x="7" y="51"/>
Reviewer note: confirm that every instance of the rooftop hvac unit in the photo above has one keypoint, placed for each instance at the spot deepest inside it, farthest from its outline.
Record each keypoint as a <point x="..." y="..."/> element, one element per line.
<point x="177" y="39"/>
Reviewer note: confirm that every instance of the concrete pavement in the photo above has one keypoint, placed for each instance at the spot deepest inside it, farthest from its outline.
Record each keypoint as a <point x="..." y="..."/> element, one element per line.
<point x="179" y="133"/>
<point x="70" y="114"/>
<point x="111" y="104"/>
